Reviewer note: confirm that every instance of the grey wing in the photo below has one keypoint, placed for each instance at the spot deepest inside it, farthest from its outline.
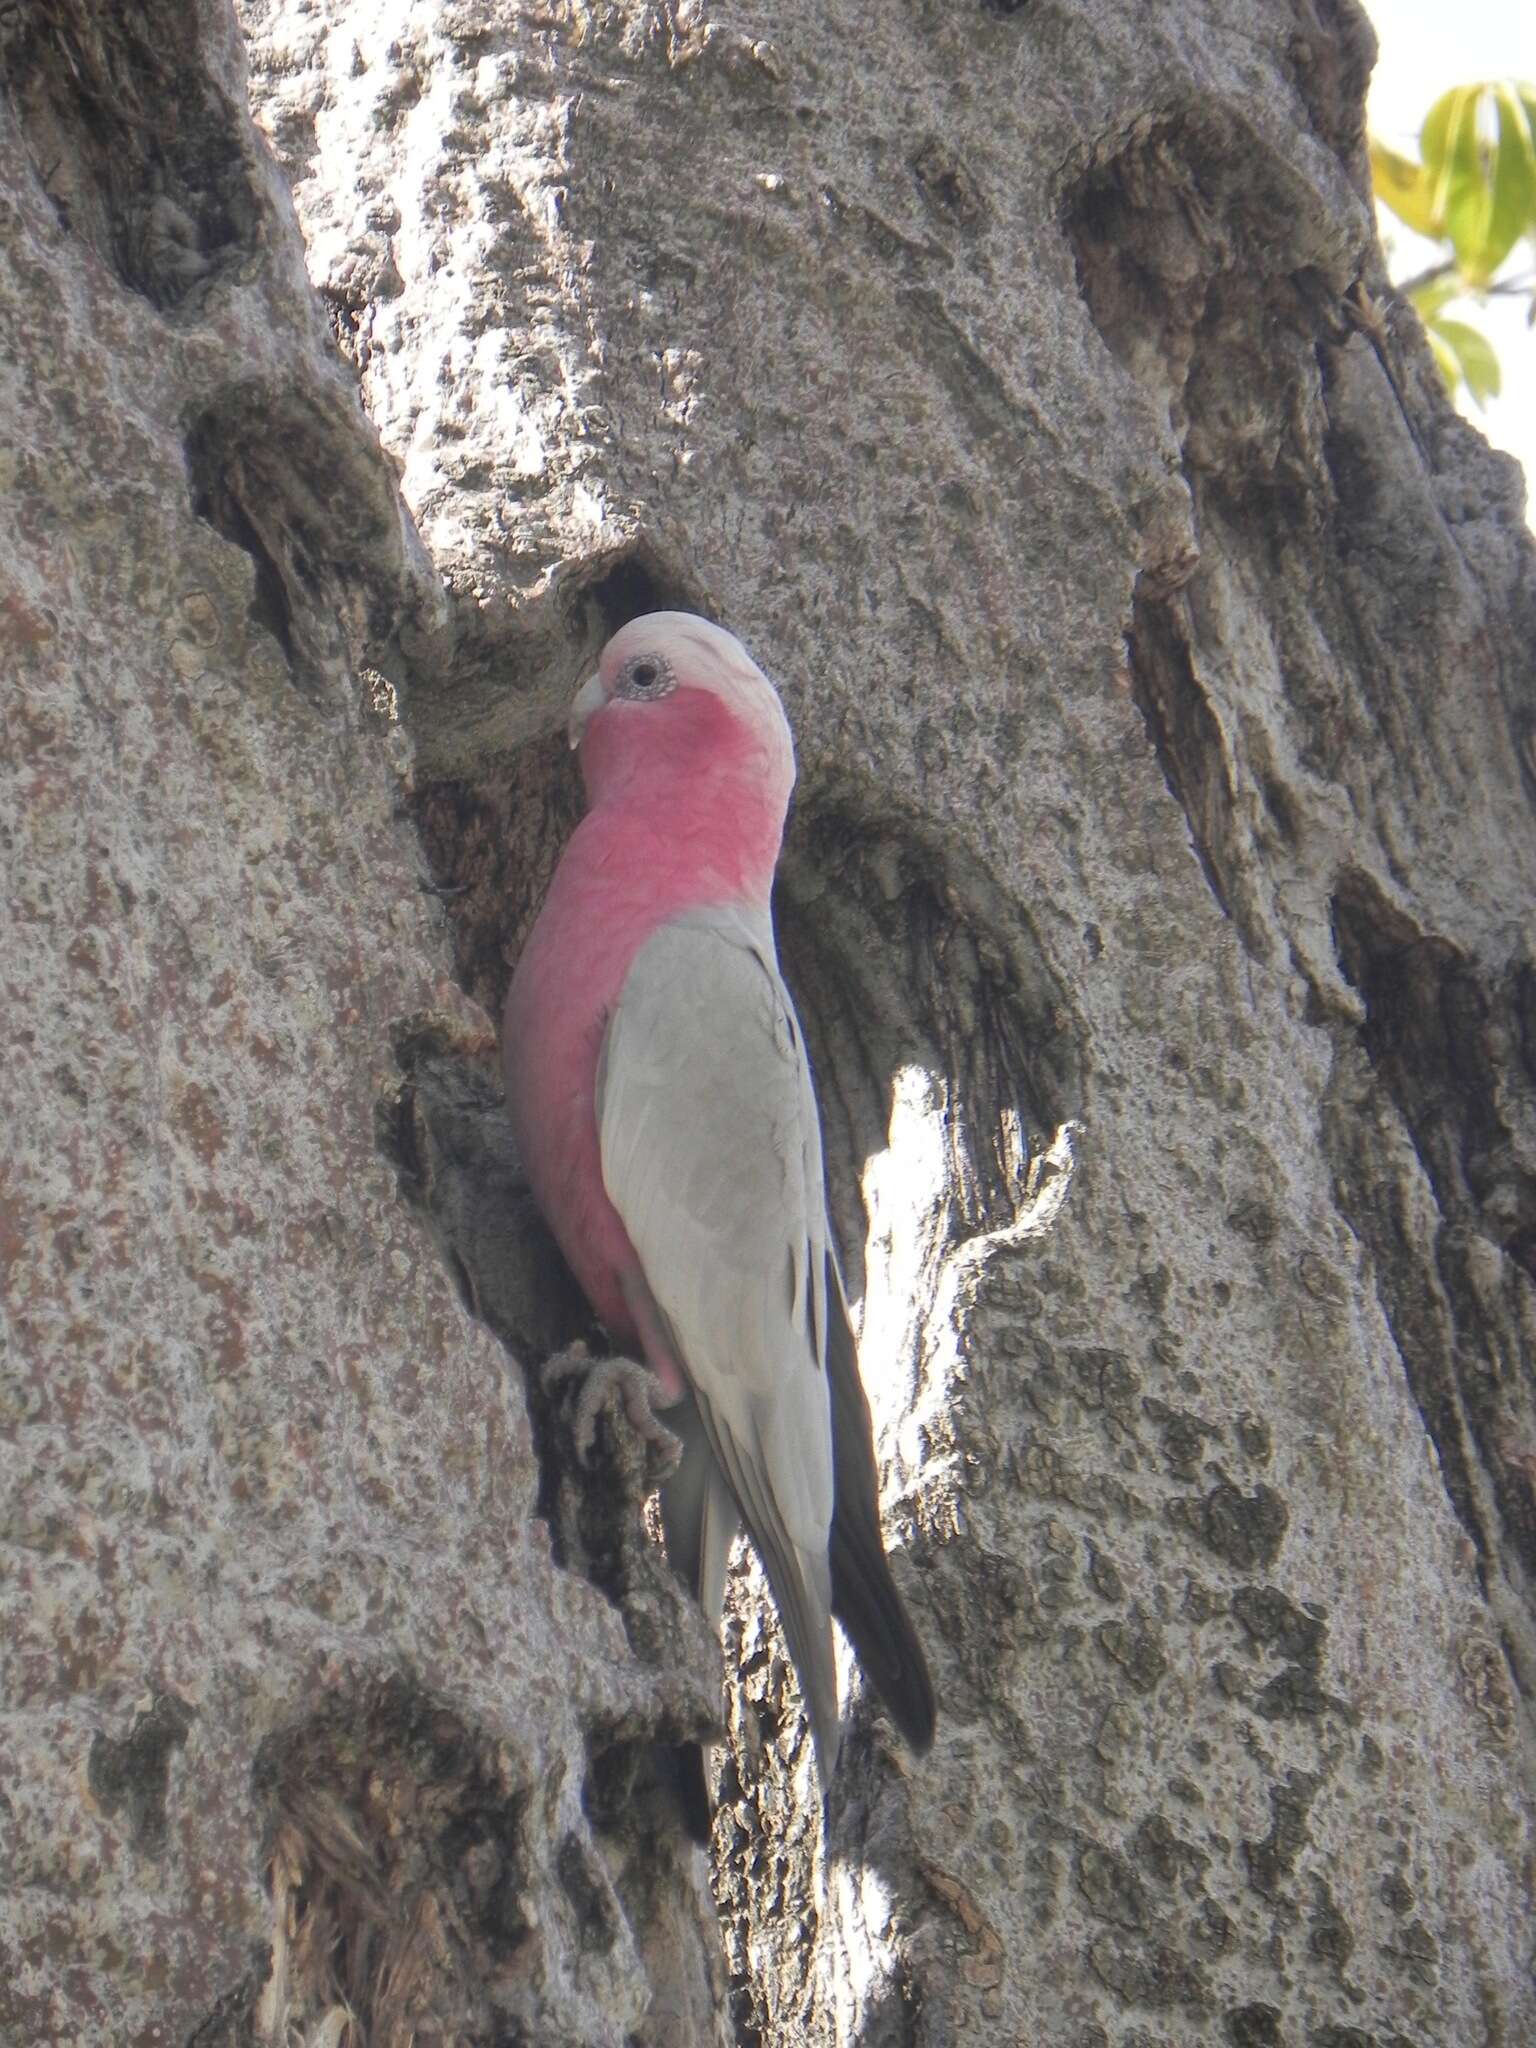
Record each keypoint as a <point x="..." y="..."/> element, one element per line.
<point x="711" y="1153"/>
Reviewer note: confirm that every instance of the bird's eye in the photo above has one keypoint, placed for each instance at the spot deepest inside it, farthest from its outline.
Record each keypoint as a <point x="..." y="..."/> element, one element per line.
<point x="645" y="676"/>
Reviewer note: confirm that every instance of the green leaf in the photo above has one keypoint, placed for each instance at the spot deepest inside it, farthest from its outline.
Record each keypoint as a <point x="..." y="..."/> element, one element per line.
<point x="1445" y="360"/>
<point x="1429" y="297"/>
<point x="1512" y="211"/>
<point x="1475" y="190"/>
<point x="1476" y="360"/>
<point x="1482" y="192"/>
<point x="1462" y="200"/>
<point x="1406" y="188"/>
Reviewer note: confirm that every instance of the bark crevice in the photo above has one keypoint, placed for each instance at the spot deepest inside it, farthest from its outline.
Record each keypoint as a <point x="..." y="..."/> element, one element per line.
<point x="1443" y="1042"/>
<point x="142" y="153"/>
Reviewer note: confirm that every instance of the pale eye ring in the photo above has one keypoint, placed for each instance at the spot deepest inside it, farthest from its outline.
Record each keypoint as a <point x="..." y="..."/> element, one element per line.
<point x="646" y="677"/>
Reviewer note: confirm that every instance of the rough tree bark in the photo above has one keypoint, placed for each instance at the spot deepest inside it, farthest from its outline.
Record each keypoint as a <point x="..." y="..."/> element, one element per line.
<point x="1021" y="381"/>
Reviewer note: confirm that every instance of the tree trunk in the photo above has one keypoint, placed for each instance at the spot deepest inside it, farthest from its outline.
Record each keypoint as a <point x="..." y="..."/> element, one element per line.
<point x="1022" y="384"/>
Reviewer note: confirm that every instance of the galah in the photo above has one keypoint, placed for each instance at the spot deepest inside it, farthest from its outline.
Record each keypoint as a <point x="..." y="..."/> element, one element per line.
<point x="661" y="1094"/>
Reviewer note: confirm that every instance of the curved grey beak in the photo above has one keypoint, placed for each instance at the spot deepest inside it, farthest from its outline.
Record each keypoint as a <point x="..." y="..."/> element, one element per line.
<point x="588" y="698"/>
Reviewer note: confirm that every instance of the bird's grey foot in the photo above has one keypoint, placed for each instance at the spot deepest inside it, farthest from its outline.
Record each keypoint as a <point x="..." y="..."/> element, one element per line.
<point x="614" y="1384"/>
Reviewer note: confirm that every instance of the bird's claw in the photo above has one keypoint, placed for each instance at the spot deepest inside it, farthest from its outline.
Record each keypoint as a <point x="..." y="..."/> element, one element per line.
<point x="610" y="1384"/>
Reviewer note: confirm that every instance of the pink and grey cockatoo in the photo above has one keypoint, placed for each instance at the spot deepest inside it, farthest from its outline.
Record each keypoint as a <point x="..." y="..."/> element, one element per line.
<point x="662" y="1098"/>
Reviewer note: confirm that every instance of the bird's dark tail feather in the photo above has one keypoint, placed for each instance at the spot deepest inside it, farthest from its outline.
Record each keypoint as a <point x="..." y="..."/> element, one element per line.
<point x="866" y="1602"/>
<point x="864" y="1595"/>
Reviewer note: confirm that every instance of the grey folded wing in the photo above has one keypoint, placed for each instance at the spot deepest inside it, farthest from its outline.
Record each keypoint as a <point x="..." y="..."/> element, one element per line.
<point x="711" y="1153"/>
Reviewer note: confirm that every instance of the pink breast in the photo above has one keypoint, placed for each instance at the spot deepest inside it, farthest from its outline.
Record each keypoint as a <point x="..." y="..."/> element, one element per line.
<point x="684" y="815"/>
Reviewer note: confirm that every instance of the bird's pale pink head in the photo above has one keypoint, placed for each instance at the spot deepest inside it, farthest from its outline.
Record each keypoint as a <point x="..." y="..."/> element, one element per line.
<point x="676" y="702"/>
